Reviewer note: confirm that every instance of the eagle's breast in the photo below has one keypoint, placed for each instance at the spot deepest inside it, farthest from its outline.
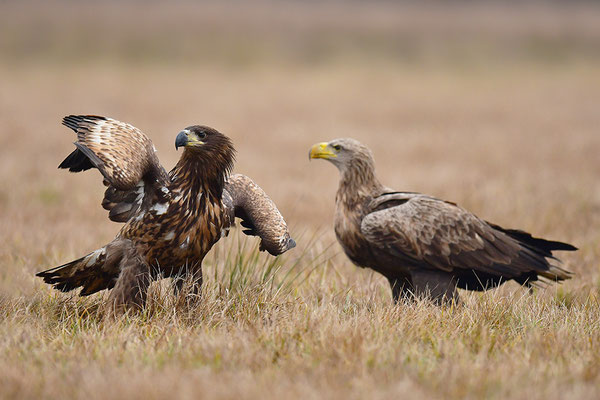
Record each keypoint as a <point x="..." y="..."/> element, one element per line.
<point x="347" y="222"/>
<point x="178" y="232"/>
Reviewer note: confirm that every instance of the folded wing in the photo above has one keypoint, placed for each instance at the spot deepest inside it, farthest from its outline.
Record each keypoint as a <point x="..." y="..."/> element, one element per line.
<point x="431" y="233"/>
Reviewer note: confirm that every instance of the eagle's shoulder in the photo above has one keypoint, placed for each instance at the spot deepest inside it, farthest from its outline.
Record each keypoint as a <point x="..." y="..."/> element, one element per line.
<point x="425" y="227"/>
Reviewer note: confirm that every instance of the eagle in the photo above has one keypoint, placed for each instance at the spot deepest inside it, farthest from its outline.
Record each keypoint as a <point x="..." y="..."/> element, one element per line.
<point x="171" y="220"/>
<point x="425" y="246"/>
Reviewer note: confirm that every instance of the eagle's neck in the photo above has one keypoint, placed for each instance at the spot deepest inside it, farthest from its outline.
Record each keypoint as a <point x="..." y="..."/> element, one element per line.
<point x="358" y="184"/>
<point x="199" y="174"/>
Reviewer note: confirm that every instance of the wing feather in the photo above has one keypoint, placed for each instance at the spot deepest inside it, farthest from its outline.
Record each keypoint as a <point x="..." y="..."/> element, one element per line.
<point x="444" y="236"/>
<point x="246" y="200"/>
<point x="126" y="158"/>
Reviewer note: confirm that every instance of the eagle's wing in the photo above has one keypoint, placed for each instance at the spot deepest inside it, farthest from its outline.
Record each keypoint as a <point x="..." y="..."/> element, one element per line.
<point x="126" y="158"/>
<point x="425" y="231"/>
<point x="246" y="200"/>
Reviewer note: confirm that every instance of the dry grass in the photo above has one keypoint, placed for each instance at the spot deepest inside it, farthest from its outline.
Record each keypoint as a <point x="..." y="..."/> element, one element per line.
<point x="494" y="108"/>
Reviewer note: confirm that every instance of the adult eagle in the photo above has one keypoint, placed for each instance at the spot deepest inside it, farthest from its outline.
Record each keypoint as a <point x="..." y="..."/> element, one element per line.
<point x="171" y="219"/>
<point x="424" y="245"/>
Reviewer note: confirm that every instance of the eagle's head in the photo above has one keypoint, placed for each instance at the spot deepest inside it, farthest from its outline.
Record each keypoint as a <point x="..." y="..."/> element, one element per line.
<point x="342" y="152"/>
<point x="354" y="161"/>
<point x="207" y="144"/>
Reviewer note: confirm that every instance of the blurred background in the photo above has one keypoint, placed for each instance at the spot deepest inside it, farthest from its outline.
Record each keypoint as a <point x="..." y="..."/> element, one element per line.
<point x="494" y="105"/>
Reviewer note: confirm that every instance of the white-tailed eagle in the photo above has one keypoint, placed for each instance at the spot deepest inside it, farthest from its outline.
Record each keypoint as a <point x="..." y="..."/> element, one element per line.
<point x="171" y="219"/>
<point x="424" y="245"/>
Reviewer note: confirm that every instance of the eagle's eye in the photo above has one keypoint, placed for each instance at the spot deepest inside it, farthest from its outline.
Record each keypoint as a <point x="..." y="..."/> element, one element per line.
<point x="337" y="147"/>
<point x="201" y="135"/>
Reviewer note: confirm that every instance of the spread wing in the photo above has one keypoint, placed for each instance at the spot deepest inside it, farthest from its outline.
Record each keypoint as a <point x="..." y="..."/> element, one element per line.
<point x="126" y="158"/>
<point x="428" y="232"/>
<point x="246" y="200"/>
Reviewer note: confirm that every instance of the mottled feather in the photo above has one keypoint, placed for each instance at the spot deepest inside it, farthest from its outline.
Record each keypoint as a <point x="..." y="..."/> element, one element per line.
<point x="246" y="200"/>
<point x="126" y="158"/>
<point x="171" y="220"/>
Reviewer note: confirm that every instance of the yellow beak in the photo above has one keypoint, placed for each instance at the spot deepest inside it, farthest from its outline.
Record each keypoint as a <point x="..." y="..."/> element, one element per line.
<point x="321" y="150"/>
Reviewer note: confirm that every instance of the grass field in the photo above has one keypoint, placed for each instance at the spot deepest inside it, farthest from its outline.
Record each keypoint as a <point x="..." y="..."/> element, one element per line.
<point x="497" y="109"/>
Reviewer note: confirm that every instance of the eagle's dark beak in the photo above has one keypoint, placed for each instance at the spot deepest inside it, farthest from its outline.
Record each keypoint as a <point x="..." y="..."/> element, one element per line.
<point x="181" y="140"/>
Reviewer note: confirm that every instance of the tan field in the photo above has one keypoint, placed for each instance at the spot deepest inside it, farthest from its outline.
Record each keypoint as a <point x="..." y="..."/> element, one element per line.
<point x="495" y="108"/>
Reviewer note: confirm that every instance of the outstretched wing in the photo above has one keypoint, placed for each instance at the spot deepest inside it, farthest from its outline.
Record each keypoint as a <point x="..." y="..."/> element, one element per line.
<point x="429" y="232"/>
<point x="246" y="200"/>
<point x="126" y="158"/>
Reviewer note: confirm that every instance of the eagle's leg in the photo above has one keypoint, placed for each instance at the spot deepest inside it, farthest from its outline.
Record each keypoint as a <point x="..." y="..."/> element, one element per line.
<point x="438" y="286"/>
<point x="132" y="285"/>
<point x="192" y="276"/>
<point x="401" y="288"/>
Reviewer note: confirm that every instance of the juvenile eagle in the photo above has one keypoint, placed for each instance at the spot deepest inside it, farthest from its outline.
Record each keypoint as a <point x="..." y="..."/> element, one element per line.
<point x="171" y="219"/>
<point x="424" y="245"/>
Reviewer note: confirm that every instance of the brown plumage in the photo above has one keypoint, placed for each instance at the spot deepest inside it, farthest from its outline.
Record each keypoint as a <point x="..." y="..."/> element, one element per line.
<point x="171" y="219"/>
<point x="424" y="245"/>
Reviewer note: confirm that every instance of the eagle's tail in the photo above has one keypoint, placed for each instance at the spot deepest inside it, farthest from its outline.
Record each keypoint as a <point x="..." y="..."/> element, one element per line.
<point x="89" y="272"/>
<point x="542" y="246"/>
<point x="541" y="249"/>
